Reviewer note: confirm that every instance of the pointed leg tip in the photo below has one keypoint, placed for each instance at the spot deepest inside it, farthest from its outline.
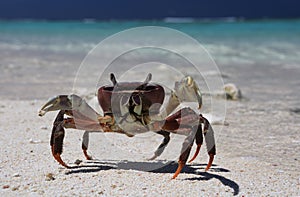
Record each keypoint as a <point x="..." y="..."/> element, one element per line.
<point x="208" y="166"/>
<point x="68" y="167"/>
<point x="210" y="162"/>
<point x="60" y="161"/>
<point x="152" y="158"/>
<point x="179" y="168"/>
<point x="174" y="176"/>
<point x="64" y="164"/>
<point x="196" y="154"/>
<point x="87" y="156"/>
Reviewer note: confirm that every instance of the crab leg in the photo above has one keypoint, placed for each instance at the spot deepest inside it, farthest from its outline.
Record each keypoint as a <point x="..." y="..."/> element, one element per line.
<point x="57" y="137"/>
<point x="185" y="116"/>
<point x="209" y="139"/>
<point x="85" y="143"/>
<point x="185" y="152"/>
<point x="81" y="116"/>
<point x="199" y="141"/>
<point x="163" y="145"/>
<point x="181" y="123"/>
<point x="210" y="142"/>
<point x="58" y="133"/>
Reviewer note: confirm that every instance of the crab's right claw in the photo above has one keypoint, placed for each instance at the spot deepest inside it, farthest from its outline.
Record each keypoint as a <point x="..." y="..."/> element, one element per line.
<point x="65" y="102"/>
<point x="61" y="102"/>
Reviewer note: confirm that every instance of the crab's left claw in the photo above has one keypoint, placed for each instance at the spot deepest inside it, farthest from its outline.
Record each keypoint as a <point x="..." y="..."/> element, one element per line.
<point x="187" y="90"/>
<point x="61" y="102"/>
<point x="193" y="85"/>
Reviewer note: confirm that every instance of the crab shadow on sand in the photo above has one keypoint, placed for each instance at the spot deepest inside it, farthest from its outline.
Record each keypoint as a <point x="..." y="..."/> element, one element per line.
<point x="157" y="167"/>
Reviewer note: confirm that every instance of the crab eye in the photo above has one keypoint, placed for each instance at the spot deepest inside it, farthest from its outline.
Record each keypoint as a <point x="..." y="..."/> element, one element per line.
<point x="136" y="99"/>
<point x="124" y="100"/>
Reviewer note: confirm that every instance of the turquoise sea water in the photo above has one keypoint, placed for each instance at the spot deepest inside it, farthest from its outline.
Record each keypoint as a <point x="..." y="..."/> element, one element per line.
<point x="252" y="50"/>
<point x="248" y="41"/>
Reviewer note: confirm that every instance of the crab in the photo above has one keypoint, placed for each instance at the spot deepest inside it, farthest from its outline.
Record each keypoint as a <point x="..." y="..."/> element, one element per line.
<point x="133" y="108"/>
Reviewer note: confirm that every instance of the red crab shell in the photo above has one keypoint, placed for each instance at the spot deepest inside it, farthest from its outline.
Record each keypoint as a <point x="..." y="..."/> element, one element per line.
<point x="150" y="94"/>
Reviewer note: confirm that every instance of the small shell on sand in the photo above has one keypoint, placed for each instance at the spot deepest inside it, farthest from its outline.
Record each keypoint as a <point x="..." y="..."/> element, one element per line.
<point x="31" y="141"/>
<point x="49" y="177"/>
<point x="15" y="188"/>
<point x="232" y="92"/>
<point x="78" y="161"/>
<point x="16" y="175"/>
<point x="44" y="127"/>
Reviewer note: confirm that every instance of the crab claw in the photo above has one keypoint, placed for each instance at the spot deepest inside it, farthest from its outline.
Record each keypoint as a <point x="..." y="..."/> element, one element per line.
<point x="61" y="102"/>
<point x="187" y="90"/>
<point x="191" y="83"/>
<point x="65" y="102"/>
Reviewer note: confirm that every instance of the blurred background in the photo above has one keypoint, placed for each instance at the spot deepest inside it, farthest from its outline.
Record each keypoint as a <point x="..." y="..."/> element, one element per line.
<point x="255" y="43"/>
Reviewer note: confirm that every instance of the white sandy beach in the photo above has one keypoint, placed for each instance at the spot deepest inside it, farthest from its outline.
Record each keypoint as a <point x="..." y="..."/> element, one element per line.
<point x="257" y="155"/>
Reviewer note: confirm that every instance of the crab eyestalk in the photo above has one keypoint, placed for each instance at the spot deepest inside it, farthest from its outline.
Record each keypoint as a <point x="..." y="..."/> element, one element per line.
<point x="113" y="79"/>
<point x="147" y="80"/>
